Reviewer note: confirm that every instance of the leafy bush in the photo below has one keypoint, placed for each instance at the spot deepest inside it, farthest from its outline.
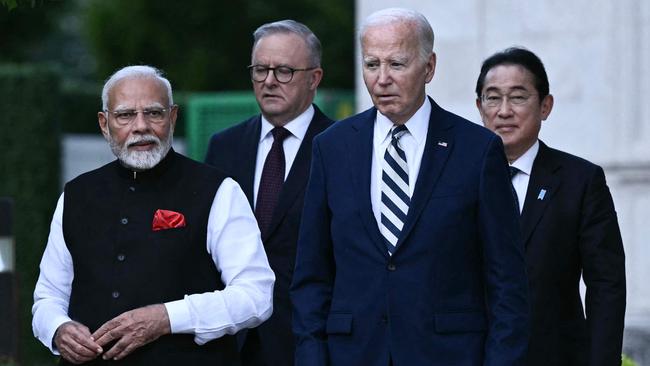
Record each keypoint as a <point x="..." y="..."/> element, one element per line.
<point x="29" y="167"/>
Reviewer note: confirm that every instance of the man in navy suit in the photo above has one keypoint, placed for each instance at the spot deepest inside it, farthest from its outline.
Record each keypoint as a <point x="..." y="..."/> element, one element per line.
<point x="568" y="221"/>
<point x="269" y="156"/>
<point x="409" y="250"/>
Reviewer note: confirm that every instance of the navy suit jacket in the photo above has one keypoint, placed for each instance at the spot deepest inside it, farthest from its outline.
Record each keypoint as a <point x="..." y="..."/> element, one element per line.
<point x="455" y="290"/>
<point x="571" y="229"/>
<point x="234" y="151"/>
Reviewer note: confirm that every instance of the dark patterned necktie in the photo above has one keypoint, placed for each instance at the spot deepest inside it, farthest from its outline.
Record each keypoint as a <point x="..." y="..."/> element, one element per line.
<point x="514" y="171"/>
<point x="272" y="179"/>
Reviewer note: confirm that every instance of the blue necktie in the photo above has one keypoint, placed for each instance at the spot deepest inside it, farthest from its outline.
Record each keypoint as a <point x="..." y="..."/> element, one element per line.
<point x="395" y="198"/>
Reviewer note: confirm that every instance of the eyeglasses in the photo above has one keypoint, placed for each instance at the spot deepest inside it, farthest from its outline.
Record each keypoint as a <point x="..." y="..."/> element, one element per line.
<point x="283" y="74"/>
<point x="125" y="117"/>
<point x="495" y="100"/>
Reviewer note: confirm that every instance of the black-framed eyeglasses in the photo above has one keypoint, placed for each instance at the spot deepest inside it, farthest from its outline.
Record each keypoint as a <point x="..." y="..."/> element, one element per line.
<point x="283" y="74"/>
<point x="125" y="117"/>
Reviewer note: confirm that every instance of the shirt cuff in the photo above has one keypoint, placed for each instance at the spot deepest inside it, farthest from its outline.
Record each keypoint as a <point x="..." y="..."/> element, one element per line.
<point x="55" y="323"/>
<point x="180" y="318"/>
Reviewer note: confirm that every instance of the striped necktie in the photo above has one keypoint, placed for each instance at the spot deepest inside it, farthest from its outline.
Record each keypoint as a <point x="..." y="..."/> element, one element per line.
<point x="395" y="198"/>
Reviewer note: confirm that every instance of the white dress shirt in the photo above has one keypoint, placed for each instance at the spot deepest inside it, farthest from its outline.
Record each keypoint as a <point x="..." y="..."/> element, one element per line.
<point x="525" y="164"/>
<point x="233" y="241"/>
<point x="412" y="143"/>
<point x="298" y="128"/>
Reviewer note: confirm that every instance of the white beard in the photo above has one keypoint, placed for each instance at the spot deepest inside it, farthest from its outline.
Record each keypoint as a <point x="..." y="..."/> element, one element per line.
<point x="141" y="160"/>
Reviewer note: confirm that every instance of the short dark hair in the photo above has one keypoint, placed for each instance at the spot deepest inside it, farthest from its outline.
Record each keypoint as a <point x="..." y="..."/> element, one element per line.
<point x="516" y="56"/>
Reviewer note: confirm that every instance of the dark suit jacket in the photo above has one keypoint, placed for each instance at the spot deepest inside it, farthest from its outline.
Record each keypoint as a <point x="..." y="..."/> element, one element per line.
<point x="454" y="292"/>
<point x="234" y="152"/>
<point x="573" y="229"/>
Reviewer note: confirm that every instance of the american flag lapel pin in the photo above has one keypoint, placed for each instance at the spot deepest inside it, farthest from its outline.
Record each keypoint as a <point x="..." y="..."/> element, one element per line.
<point x="442" y="143"/>
<point x="542" y="193"/>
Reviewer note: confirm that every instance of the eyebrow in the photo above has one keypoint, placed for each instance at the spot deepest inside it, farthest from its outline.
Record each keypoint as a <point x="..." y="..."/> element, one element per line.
<point x="400" y="59"/>
<point x="122" y="107"/>
<point x="511" y="89"/>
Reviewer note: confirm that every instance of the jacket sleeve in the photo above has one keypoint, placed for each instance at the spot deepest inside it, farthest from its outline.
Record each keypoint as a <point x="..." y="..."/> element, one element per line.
<point x="313" y="278"/>
<point x="504" y="263"/>
<point x="601" y="249"/>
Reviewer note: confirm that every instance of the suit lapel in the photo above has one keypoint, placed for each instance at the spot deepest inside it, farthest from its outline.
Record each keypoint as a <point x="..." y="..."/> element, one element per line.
<point x="361" y="150"/>
<point x="245" y="165"/>
<point x="438" y="146"/>
<point x="544" y="183"/>
<point x="299" y="173"/>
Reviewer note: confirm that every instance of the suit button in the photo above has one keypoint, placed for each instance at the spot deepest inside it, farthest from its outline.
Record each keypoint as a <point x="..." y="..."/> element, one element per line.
<point x="115" y="294"/>
<point x="391" y="267"/>
<point x="384" y="319"/>
<point x="132" y="188"/>
<point x="121" y="257"/>
<point x="124" y="221"/>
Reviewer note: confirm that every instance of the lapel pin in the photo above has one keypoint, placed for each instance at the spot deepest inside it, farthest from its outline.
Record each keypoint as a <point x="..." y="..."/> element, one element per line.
<point x="542" y="193"/>
<point x="442" y="143"/>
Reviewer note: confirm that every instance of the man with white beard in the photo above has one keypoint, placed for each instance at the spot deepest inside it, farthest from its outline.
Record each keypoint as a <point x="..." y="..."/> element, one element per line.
<point x="153" y="259"/>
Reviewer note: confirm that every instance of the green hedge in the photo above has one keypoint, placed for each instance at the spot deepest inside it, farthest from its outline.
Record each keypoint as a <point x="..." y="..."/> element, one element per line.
<point x="29" y="173"/>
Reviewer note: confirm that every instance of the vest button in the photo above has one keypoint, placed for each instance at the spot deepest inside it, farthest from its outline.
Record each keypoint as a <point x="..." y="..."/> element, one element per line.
<point x="115" y="294"/>
<point x="132" y="188"/>
<point x="124" y="221"/>
<point x="391" y="267"/>
<point x="121" y="257"/>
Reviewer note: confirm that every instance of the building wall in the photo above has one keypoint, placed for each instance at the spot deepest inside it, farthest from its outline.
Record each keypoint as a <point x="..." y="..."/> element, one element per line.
<point x="596" y="55"/>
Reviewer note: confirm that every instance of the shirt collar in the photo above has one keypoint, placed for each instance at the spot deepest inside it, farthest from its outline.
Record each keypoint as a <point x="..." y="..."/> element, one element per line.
<point x="525" y="162"/>
<point x="417" y="125"/>
<point x="297" y="126"/>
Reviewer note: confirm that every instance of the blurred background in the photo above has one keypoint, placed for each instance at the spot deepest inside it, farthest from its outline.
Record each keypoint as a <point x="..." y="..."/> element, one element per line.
<point x="55" y="55"/>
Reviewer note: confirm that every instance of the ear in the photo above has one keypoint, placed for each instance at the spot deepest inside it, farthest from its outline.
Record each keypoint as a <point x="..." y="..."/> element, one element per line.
<point x="102" y="118"/>
<point x="430" y="67"/>
<point x="173" y="114"/>
<point x="316" y="77"/>
<point x="547" y="106"/>
<point x="480" y="110"/>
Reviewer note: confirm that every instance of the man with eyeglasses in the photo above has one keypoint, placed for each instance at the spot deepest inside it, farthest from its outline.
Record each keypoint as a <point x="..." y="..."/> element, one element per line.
<point x="408" y="254"/>
<point x="270" y="155"/>
<point x="153" y="259"/>
<point x="568" y="221"/>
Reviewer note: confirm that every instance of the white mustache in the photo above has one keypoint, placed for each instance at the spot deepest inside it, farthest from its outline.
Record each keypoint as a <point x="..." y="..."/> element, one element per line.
<point x="133" y="140"/>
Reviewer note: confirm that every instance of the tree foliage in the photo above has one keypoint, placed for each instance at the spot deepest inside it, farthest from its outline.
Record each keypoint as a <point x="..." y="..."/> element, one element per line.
<point x="206" y="44"/>
<point x="24" y="25"/>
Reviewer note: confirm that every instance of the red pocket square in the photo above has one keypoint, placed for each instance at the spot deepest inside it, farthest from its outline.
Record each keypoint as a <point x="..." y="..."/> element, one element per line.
<point x="164" y="219"/>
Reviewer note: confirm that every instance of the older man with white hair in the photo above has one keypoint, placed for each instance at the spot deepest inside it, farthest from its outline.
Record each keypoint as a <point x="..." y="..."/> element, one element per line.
<point x="409" y="250"/>
<point x="153" y="259"/>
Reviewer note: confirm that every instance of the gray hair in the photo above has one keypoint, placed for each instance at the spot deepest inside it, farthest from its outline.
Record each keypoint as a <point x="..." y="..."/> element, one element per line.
<point x="137" y="71"/>
<point x="401" y="15"/>
<point x="289" y="26"/>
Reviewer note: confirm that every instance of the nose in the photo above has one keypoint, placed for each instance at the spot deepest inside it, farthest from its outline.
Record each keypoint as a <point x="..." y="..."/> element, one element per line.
<point x="270" y="79"/>
<point x="384" y="77"/>
<point x="140" y="123"/>
<point x="505" y="109"/>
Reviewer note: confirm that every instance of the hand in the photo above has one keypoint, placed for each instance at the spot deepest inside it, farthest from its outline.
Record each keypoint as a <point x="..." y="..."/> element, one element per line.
<point x="75" y="344"/>
<point x="133" y="329"/>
